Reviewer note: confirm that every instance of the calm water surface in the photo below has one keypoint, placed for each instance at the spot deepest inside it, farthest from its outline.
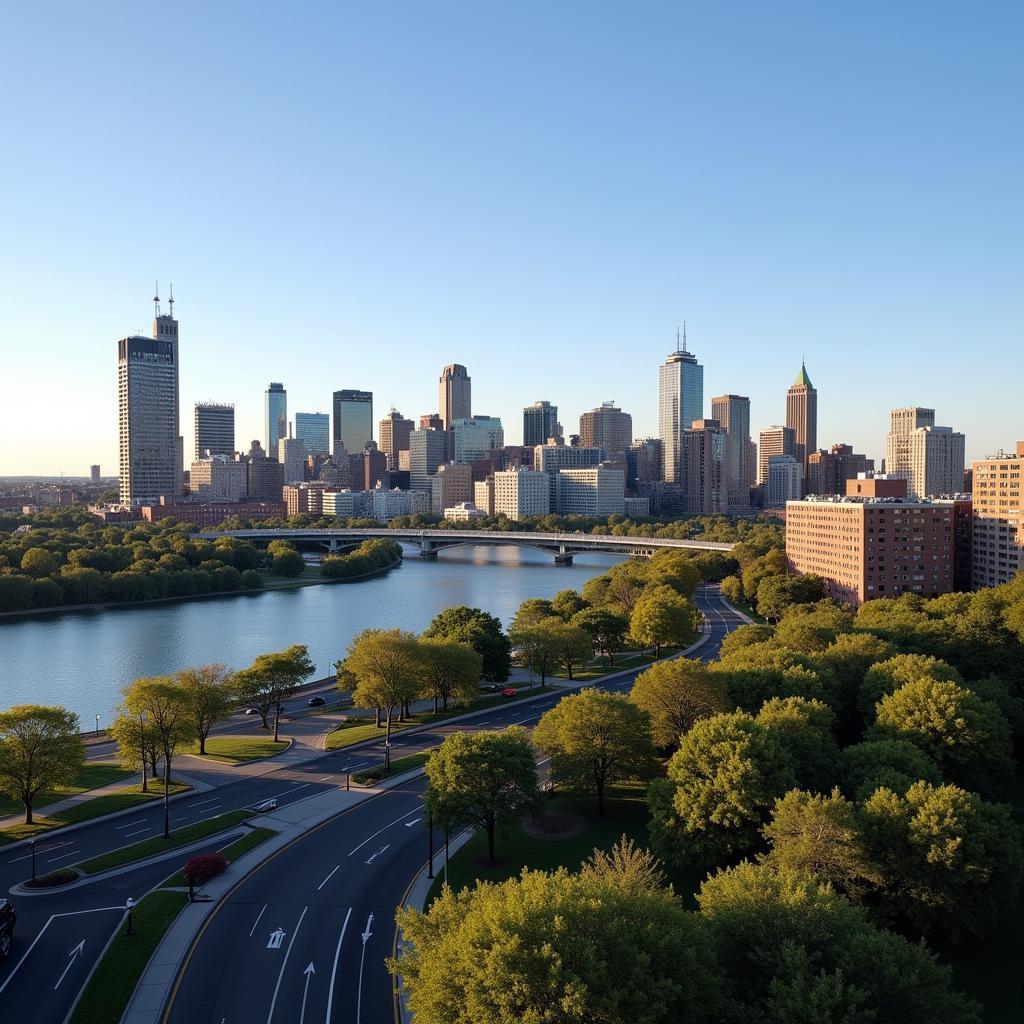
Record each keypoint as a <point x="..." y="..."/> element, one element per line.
<point x="82" y="660"/>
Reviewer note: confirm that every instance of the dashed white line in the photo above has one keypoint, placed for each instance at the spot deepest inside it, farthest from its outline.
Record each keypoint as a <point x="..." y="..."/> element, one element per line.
<point x="415" y="810"/>
<point x="128" y="835"/>
<point x="327" y="879"/>
<point x="257" y="921"/>
<point x="63" y="856"/>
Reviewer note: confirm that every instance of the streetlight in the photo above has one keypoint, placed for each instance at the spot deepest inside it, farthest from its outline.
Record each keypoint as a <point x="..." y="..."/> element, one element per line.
<point x="128" y="907"/>
<point x="97" y="725"/>
<point x="387" y="758"/>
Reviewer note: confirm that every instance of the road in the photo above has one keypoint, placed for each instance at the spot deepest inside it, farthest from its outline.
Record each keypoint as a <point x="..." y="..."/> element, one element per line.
<point x="304" y="937"/>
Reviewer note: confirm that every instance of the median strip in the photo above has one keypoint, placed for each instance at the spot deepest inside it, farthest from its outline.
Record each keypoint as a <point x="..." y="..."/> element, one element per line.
<point x="375" y="773"/>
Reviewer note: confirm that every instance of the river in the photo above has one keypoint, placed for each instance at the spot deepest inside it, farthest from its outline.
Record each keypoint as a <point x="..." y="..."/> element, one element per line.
<point x="82" y="659"/>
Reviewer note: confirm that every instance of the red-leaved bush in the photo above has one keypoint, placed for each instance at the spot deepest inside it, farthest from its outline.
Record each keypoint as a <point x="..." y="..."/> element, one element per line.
<point x="199" y="870"/>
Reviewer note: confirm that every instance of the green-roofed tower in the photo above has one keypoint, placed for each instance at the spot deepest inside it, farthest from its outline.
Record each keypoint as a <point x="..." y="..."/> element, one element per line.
<point x="802" y="416"/>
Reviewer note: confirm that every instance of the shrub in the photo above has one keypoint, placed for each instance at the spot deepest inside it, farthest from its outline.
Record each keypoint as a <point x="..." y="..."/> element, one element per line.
<point x="200" y="869"/>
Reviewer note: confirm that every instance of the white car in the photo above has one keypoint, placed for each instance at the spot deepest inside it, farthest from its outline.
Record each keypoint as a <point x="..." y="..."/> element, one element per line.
<point x="267" y="805"/>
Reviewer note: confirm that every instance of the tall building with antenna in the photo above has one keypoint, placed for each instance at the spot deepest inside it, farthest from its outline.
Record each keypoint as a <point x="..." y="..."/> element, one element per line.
<point x="680" y="402"/>
<point x="802" y="415"/>
<point x="151" y="449"/>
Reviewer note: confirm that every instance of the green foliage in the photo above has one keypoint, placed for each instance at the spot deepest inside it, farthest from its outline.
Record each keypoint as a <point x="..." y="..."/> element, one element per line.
<point x="572" y="643"/>
<point x="606" y="629"/>
<point x="813" y="627"/>
<point x="595" y="739"/>
<point x="210" y="695"/>
<point x="732" y="589"/>
<point x="950" y="860"/>
<point x="676" y="694"/>
<point x="539" y="646"/>
<point x="288" y="563"/>
<point x="271" y="678"/>
<point x="777" y="594"/>
<point x="449" y="672"/>
<point x="38" y="562"/>
<point x="531" y="612"/>
<point x="567" y="603"/>
<point x="382" y="669"/>
<point x="370" y="556"/>
<point x="804" y="730"/>
<point x="661" y="616"/>
<point x="759" y="672"/>
<point x="166" y="712"/>
<point x="886" y="677"/>
<point x="483" y="779"/>
<point x="745" y="636"/>
<point x="482" y="631"/>
<point x="894" y="764"/>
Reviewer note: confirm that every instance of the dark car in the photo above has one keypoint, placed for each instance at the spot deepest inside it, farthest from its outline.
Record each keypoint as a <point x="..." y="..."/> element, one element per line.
<point x="8" y="918"/>
<point x="315" y="702"/>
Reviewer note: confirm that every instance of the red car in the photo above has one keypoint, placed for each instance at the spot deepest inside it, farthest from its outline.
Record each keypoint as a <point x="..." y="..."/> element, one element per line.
<point x="509" y="691"/>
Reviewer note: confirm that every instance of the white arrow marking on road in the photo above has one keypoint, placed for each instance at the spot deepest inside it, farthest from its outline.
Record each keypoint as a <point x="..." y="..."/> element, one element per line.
<point x="308" y="972"/>
<point x="367" y="934"/>
<point x="409" y="824"/>
<point x="74" y="956"/>
<point x="374" y="856"/>
<point x="276" y="938"/>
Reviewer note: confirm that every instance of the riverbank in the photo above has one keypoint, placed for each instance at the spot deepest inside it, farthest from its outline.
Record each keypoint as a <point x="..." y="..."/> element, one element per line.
<point x="274" y="583"/>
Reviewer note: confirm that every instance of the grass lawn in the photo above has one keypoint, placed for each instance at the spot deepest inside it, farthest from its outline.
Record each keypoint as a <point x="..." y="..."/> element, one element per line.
<point x="626" y="814"/>
<point x="232" y="851"/>
<point x="92" y="776"/>
<point x="106" y="996"/>
<point x="239" y="749"/>
<point x="156" y="845"/>
<point x="368" y="776"/>
<point x="130" y="796"/>
<point x="623" y="659"/>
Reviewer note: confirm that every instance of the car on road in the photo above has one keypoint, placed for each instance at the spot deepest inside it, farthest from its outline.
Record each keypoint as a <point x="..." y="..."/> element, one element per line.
<point x="489" y="687"/>
<point x="267" y="805"/>
<point x="315" y="702"/>
<point x="251" y="711"/>
<point x="510" y="691"/>
<point x="8" y="919"/>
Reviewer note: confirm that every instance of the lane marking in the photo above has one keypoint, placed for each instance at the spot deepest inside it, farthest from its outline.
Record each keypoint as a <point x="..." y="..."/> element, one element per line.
<point x="374" y="856"/>
<point x="356" y="849"/>
<point x="63" y="856"/>
<point x="128" y="835"/>
<point x="74" y="953"/>
<point x="334" y="969"/>
<point x="308" y="972"/>
<point x="213" y="800"/>
<point x="41" y="849"/>
<point x="129" y="824"/>
<point x="284" y="963"/>
<point x="409" y="824"/>
<point x="257" y="921"/>
<point x="327" y="879"/>
<point x="366" y="936"/>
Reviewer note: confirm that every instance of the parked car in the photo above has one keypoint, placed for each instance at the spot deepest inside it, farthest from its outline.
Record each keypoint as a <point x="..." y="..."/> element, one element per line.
<point x="509" y="691"/>
<point x="267" y="805"/>
<point x="489" y="687"/>
<point x="251" y="711"/>
<point x="315" y="702"/>
<point x="8" y="918"/>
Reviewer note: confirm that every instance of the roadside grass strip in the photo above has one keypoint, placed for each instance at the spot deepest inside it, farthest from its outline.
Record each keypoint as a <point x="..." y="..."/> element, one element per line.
<point x="240" y="749"/>
<point x="232" y="852"/>
<point x="106" y="996"/>
<point x="375" y="773"/>
<point x="156" y="845"/>
<point x="131" y="796"/>
<point x="92" y="776"/>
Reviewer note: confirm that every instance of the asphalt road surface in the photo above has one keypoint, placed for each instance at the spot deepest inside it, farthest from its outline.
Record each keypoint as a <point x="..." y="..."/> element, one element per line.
<point x="304" y="937"/>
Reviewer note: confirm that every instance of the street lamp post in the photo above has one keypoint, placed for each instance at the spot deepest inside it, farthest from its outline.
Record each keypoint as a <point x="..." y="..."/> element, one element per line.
<point x="97" y="725"/>
<point x="128" y="907"/>
<point x="387" y="757"/>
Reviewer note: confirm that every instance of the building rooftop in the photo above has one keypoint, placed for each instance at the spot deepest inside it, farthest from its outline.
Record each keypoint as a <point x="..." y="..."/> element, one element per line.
<point x="802" y="380"/>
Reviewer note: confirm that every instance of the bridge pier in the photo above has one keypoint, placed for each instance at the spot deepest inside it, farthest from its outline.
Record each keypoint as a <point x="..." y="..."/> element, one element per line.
<point x="563" y="559"/>
<point x="429" y="555"/>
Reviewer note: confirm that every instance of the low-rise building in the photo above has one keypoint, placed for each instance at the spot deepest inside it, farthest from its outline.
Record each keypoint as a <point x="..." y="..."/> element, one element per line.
<point x="209" y="513"/>
<point x="483" y="494"/>
<point x="637" y="508"/>
<point x="219" y="478"/>
<point x="519" y="493"/>
<point x="451" y="485"/>
<point x="305" y="498"/>
<point x="595" y="492"/>
<point x="464" y="512"/>
<point x="346" y="504"/>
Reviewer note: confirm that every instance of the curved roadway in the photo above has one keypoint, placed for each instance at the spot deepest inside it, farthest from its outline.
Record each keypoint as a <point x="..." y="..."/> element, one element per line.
<point x="304" y="937"/>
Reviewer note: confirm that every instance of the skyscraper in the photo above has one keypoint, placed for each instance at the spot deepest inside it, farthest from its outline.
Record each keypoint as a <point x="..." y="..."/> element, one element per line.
<point x="774" y="441"/>
<point x="353" y="419"/>
<point x="150" y="457"/>
<point x="733" y="412"/>
<point x="313" y="429"/>
<point x="704" y="480"/>
<point x="426" y="453"/>
<point x="802" y="415"/>
<point x="540" y="421"/>
<point x="394" y="436"/>
<point x="936" y="462"/>
<point x="902" y="423"/>
<point x="214" y="429"/>
<point x="453" y="395"/>
<point x="473" y="438"/>
<point x="680" y="402"/>
<point x="607" y="427"/>
<point x="275" y="416"/>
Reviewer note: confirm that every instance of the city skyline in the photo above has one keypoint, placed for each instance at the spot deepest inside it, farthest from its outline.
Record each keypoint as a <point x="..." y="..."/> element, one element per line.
<point x="557" y="229"/>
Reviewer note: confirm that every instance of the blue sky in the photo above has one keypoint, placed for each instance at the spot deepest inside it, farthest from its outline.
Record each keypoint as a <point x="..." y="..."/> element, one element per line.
<point x="354" y="195"/>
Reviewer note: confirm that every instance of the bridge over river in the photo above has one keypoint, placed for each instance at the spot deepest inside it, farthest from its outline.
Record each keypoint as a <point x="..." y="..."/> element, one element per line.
<point x="562" y="545"/>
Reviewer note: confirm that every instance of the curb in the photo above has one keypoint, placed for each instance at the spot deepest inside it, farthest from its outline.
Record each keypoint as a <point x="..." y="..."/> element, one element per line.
<point x="212" y="758"/>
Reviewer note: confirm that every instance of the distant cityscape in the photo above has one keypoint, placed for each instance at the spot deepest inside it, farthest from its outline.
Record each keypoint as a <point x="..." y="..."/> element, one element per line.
<point x="920" y="523"/>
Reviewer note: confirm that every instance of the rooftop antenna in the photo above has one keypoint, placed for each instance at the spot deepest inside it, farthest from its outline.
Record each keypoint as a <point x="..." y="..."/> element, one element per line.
<point x="684" y="337"/>
<point x="156" y="297"/>
<point x="170" y="302"/>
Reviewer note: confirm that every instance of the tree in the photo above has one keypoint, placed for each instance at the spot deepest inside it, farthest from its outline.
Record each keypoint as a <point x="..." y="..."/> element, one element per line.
<point x="163" y="708"/>
<point x="531" y="612"/>
<point x="566" y="604"/>
<point x="804" y="729"/>
<point x="822" y="836"/>
<point x="595" y="739"/>
<point x="967" y="736"/>
<point x="607" y="630"/>
<point x="745" y="636"/>
<point x="847" y="659"/>
<point x="893" y="764"/>
<point x="38" y="562"/>
<point x="732" y="589"/>
<point x="950" y="859"/>
<point x="482" y="779"/>
<point x="40" y="748"/>
<point x="271" y="679"/>
<point x="449" y="671"/>
<point x="676" y="694"/>
<point x="573" y="644"/>
<point x="540" y="647"/>
<point x="382" y="669"/>
<point x="607" y="944"/>
<point x="136" y="744"/>
<point x="662" y="617"/>
<point x="813" y="627"/>
<point x="776" y="594"/>
<point x="209" y="693"/>
<point x="722" y="783"/>
<point x="482" y="631"/>
<point x="288" y="563"/>
<point x="888" y="676"/>
<point x="805" y="954"/>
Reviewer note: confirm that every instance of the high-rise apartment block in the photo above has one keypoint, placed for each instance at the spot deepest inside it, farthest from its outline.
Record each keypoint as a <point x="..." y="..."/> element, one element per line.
<point x="451" y="485"/>
<point x="733" y="413"/>
<point x="353" y="420"/>
<point x="394" y="436"/>
<point x="902" y="423"/>
<point x="774" y="441"/>
<point x="94" y="474"/>
<point x="219" y="478"/>
<point x="540" y="422"/>
<point x="473" y="437"/>
<point x="214" y="429"/>
<point x="802" y="415"/>
<point x="150" y="455"/>
<point x="431" y="421"/>
<point x="644" y="461"/>
<point x="553" y="458"/>
<point x="313" y="429"/>
<point x="936" y="462"/>
<point x="596" y="492"/>
<point x="291" y="453"/>
<point x="997" y="534"/>
<point x="483" y="493"/>
<point x="784" y="482"/>
<point x="873" y="542"/>
<point x="519" y="493"/>
<point x="375" y="465"/>
<point x="275" y="416"/>
<point x="704" y="471"/>
<point x="607" y="427"/>
<point x="265" y="475"/>
<point x="680" y="402"/>
<point x="426" y="453"/>
<point x="828" y="471"/>
<point x="454" y="395"/>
